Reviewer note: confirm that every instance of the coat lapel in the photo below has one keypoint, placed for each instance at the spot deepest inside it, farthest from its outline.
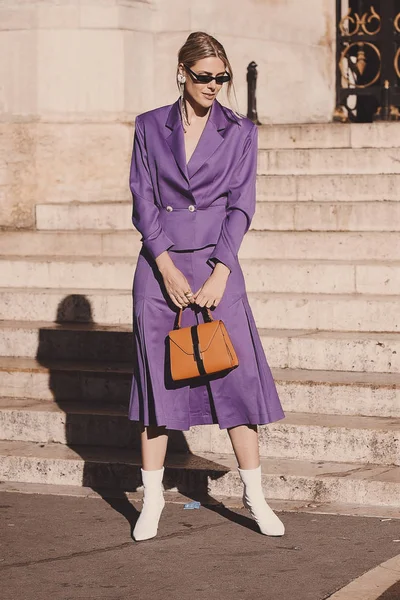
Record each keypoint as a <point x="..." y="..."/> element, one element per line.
<point x="209" y="142"/>
<point x="175" y="139"/>
<point x="210" y="139"/>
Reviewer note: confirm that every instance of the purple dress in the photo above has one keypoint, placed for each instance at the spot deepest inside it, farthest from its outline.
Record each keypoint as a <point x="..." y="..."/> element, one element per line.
<point x="199" y="212"/>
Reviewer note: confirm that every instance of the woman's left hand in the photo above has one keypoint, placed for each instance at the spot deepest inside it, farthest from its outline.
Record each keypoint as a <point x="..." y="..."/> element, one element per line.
<point x="211" y="292"/>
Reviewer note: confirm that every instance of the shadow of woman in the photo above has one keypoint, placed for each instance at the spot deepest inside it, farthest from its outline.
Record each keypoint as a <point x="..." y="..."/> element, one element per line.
<point x="90" y="370"/>
<point x="392" y="593"/>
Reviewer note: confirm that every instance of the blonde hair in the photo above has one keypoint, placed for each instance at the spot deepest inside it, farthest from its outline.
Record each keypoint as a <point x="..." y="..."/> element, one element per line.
<point x="201" y="45"/>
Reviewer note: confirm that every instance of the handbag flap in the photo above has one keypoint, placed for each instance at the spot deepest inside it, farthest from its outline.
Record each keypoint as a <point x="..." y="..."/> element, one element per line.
<point x="183" y="338"/>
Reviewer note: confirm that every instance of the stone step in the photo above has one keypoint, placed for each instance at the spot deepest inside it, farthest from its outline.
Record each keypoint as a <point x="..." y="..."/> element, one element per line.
<point x="328" y="188"/>
<point x="276" y="276"/>
<point x="339" y="393"/>
<point x="285" y="349"/>
<point x="119" y="468"/>
<point x="270" y="216"/>
<point x="64" y="381"/>
<point x="329" y="312"/>
<point x="95" y="243"/>
<point x="107" y="216"/>
<point x="308" y="391"/>
<point x="348" y="351"/>
<point x="329" y="135"/>
<point x="299" y="435"/>
<point x="174" y="496"/>
<point x="326" y="312"/>
<point x="67" y="341"/>
<point x="327" y="216"/>
<point x="98" y="424"/>
<point x="342" y="438"/>
<point x="327" y="161"/>
<point x="333" y="187"/>
<point x="256" y="244"/>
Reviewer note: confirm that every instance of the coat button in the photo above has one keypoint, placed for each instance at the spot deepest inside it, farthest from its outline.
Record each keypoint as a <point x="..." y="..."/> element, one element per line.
<point x="191" y="208"/>
<point x="169" y="208"/>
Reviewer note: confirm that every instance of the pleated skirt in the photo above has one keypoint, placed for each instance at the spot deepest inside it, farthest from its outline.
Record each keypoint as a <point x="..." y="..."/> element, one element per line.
<point x="245" y="395"/>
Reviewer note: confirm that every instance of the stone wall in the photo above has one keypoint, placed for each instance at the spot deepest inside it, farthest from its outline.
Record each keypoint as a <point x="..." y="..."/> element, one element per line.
<point x="74" y="73"/>
<point x="292" y="41"/>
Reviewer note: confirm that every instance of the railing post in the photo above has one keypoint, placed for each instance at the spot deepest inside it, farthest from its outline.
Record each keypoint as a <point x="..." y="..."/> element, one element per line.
<point x="251" y="93"/>
<point x="386" y="111"/>
<point x="340" y="114"/>
<point x="386" y="101"/>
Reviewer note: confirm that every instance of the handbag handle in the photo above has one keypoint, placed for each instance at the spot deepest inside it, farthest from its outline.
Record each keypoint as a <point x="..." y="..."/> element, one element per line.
<point x="206" y="316"/>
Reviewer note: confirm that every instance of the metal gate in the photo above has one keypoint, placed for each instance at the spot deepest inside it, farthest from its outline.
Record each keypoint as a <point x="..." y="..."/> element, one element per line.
<point x="367" y="60"/>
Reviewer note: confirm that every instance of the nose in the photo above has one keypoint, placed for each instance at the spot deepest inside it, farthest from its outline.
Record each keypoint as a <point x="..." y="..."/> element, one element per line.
<point x="211" y="86"/>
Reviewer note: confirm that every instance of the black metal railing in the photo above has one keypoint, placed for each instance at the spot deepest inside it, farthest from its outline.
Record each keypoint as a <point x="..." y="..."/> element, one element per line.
<point x="367" y="60"/>
<point x="251" y="93"/>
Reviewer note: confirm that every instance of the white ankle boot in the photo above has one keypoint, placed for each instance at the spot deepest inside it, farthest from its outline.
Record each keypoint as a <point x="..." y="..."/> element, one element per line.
<point x="254" y="501"/>
<point x="153" y="504"/>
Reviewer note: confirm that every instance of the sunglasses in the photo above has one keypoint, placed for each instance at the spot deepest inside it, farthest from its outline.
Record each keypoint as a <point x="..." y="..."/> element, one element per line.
<point x="219" y="79"/>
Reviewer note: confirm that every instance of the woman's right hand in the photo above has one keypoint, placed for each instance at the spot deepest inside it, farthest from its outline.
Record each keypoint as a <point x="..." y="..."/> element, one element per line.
<point x="175" y="282"/>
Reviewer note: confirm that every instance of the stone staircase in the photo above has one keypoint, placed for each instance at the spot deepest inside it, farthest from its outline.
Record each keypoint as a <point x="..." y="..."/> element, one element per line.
<point x="322" y="265"/>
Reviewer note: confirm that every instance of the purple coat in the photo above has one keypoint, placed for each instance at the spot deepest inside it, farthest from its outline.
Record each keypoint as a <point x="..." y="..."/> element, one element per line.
<point x="213" y="197"/>
<point x="199" y="212"/>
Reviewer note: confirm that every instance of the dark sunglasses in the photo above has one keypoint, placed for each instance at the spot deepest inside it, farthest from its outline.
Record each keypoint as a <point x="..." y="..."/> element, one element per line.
<point x="219" y="79"/>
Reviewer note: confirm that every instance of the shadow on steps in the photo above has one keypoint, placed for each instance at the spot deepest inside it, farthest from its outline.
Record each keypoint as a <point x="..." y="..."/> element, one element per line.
<point x="90" y="372"/>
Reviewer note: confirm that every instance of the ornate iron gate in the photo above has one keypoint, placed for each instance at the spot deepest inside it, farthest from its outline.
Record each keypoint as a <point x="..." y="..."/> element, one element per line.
<point x="367" y="60"/>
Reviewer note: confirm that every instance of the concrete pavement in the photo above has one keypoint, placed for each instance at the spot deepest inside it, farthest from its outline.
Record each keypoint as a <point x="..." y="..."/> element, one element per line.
<point x="70" y="548"/>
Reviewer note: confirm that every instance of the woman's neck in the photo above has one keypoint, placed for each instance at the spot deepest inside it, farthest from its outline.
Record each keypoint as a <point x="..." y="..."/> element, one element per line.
<point x="194" y="110"/>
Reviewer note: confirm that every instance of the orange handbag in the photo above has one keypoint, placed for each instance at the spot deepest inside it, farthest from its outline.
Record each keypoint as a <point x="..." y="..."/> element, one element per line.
<point x="200" y="350"/>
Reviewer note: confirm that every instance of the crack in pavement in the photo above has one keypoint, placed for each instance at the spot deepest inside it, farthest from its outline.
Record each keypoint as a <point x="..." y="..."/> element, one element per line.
<point x="105" y="549"/>
<point x="51" y="559"/>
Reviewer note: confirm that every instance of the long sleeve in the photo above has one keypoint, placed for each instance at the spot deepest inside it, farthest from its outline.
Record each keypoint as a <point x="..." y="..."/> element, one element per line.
<point x="145" y="213"/>
<point x="241" y="204"/>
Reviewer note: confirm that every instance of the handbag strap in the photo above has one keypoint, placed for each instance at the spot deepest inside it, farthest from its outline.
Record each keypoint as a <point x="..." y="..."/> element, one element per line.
<point x="205" y="312"/>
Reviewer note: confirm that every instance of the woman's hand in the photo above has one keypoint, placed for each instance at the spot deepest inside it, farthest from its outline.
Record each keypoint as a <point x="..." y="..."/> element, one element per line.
<point x="175" y="282"/>
<point x="211" y="292"/>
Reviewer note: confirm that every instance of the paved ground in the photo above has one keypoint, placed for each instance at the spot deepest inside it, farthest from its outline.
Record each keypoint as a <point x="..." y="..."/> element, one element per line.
<point x="67" y="548"/>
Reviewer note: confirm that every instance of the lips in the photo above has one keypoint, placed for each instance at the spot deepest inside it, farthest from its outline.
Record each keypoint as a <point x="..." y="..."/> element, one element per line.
<point x="209" y="96"/>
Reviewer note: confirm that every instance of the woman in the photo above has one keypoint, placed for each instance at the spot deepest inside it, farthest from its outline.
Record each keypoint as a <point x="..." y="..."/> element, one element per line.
<point x="193" y="177"/>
